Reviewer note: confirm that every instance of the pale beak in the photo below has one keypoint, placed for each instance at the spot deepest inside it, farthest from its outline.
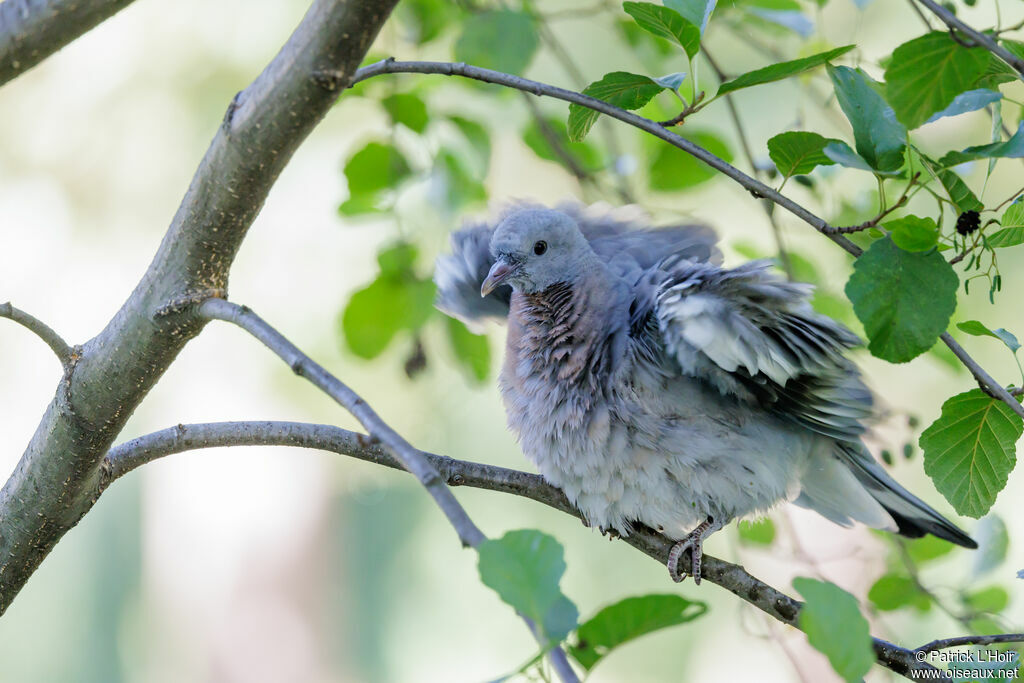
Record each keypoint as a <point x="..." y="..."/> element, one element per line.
<point x="499" y="271"/>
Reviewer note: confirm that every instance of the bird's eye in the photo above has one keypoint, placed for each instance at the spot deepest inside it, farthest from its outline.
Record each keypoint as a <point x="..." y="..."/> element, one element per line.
<point x="540" y="247"/>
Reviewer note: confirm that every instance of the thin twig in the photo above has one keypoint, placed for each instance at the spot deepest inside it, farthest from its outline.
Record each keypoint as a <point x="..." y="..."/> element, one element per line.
<point x="977" y="37"/>
<point x="410" y="458"/>
<point x="691" y="108"/>
<point x="734" y="578"/>
<point x="944" y="643"/>
<point x="866" y="225"/>
<point x="59" y="347"/>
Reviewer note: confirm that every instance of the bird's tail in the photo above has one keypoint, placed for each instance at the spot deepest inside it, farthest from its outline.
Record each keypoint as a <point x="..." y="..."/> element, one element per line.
<point x="913" y="517"/>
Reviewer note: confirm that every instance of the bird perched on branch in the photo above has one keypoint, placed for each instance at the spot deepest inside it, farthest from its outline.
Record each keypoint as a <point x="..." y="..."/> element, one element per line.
<point x="653" y="385"/>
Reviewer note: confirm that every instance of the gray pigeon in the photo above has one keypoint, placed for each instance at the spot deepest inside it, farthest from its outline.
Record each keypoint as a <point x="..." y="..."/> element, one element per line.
<point x="652" y="385"/>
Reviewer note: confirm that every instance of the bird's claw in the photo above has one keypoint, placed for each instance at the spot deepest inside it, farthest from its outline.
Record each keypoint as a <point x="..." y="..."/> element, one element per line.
<point x="694" y="542"/>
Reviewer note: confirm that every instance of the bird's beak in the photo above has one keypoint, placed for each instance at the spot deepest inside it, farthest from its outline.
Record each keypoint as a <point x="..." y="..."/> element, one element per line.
<point x="499" y="271"/>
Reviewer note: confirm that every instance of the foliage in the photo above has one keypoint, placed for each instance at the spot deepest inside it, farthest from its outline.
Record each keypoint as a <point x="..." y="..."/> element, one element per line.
<point x="835" y="627"/>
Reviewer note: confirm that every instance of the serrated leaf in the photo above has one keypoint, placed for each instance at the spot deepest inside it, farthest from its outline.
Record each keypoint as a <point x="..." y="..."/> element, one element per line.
<point x="697" y="12"/>
<point x="407" y="109"/>
<point x="1012" y="232"/>
<point x="993" y="542"/>
<point x="904" y="299"/>
<point x="777" y="72"/>
<point x="893" y="591"/>
<point x="761" y="532"/>
<point x="835" y="627"/>
<point x="912" y="233"/>
<point x="798" y="152"/>
<point x="502" y="40"/>
<point x="927" y="73"/>
<point x="376" y="313"/>
<point x="880" y="138"/>
<point x="524" y="567"/>
<point x="673" y="169"/>
<point x="666" y="23"/>
<point x="1007" y="149"/>
<point x="620" y="88"/>
<point x="971" y="100"/>
<point x="472" y="350"/>
<point x="969" y="451"/>
<point x="977" y="329"/>
<point x="627" y="620"/>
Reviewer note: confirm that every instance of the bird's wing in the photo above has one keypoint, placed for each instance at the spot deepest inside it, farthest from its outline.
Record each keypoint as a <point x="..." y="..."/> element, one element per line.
<point x="755" y="336"/>
<point x="621" y="237"/>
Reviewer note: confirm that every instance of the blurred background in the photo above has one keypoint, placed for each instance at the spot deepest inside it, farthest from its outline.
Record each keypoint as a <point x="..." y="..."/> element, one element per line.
<point x="272" y="564"/>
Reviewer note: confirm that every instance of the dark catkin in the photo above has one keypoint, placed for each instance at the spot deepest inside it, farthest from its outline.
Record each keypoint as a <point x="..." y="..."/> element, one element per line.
<point x="968" y="222"/>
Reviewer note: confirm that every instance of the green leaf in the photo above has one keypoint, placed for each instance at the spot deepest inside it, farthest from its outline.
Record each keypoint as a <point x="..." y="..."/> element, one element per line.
<point x="477" y="137"/>
<point x="971" y="100"/>
<point x="993" y="542"/>
<point x="904" y="299"/>
<point x="969" y="451"/>
<point x="697" y="12"/>
<point x="387" y="305"/>
<point x="673" y="169"/>
<point x="977" y="329"/>
<point x="1007" y="149"/>
<point x="671" y="81"/>
<point x="959" y="193"/>
<point x="471" y="349"/>
<point x="777" y="72"/>
<point x="502" y="40"/>
<point x="586" y="154"/>
<point x="397" y="260"/>
<point x="525" y="567"/>
<point x="840" y="152"/>
<point x="761" y="532"/>
<point x="620" y="88"/>
<point x="928" y="548"/>
<point x="407" y="109"/>
<point x="911" y="233"/>
<point x="1012" y="232"/>
<point x="667" y="23"/>
<point x="798" y="152"/>
<point x="893" y="591"/>
<point x="880" y="138"/>
<point x="458" y="186"/>
<point x="629" y="619"/>
<point x="376" y="168"/>
<point x="835" y="627"/>
<point x="427" y="18"/>
<point x="927" y="73"/>
<point x="991" y="599"/>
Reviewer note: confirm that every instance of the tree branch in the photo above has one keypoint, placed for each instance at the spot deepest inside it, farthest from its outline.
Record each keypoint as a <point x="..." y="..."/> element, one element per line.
<point x="943" y="643"/>
<point x="32" y="30"/>
<point x="734" y="578"/>
<point x="758" y="189"/>
<point x="979" y="38"/>
<point x="408" y="458"/>
<point x="59" y="347"/>
<point x="52" y="486"/>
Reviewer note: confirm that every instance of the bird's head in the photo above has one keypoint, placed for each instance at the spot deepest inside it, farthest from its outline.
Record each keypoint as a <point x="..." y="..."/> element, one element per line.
<point x="534" y="249"/>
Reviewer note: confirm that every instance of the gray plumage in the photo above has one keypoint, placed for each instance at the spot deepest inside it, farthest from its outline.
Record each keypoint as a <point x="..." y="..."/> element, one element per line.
<point x="652" y="385"/>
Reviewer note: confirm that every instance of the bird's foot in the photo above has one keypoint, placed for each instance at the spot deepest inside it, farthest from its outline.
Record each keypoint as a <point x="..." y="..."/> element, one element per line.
<point x="694" y="542"/>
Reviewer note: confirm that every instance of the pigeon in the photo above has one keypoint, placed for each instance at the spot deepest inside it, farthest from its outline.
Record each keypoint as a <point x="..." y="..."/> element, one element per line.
<point x="656" y="387"/>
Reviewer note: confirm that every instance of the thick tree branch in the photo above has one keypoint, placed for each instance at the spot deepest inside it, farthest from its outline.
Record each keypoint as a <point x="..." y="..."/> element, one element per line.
<point x="758" y="189"/>
<point x="59" y="347"/>
<point x="409" y="458"/>
<point x="54" y="483"/>
<point x="979" y="38"/>
<point x="32" y="30"/>
<point x="734" y="578"/>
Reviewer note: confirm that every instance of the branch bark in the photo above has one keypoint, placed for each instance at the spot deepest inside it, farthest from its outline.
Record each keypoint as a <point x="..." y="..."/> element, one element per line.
<point x="57" y="344"/>
<point x="32" y="30"/>
<point x="54" y="483"/>
<point x="734" y="578"/>
<point x="758" y="189"/>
